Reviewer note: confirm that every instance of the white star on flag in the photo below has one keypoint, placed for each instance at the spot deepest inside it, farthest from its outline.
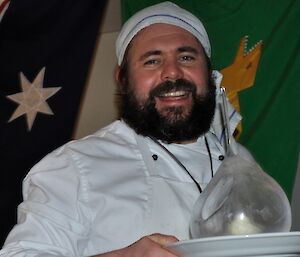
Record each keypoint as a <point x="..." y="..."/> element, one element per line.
<point x="32" y="99"/>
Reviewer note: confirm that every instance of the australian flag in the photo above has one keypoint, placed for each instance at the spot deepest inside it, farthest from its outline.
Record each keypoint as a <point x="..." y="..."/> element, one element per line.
<point x="45" y="53"/>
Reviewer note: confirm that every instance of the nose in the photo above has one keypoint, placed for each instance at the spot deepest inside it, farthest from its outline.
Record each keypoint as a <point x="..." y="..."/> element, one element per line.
<point x="171" y="71"/>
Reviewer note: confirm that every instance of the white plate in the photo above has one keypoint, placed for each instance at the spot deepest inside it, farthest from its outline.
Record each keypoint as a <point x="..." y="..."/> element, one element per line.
<point x="270" y="244"/>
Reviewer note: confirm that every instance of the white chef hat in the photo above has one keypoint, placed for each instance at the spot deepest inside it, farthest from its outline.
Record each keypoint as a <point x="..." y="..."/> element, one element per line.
<point x="165" y="12"/>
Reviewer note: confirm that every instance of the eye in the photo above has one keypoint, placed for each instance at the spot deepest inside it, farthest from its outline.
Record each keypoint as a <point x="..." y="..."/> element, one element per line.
<point x="151" y="62"/>
<point x="187" y="58"/>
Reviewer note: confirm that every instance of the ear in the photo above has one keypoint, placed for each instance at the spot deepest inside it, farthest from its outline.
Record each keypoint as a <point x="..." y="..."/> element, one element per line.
<point x="117" y="73"/>
<point x="117" y="77"/>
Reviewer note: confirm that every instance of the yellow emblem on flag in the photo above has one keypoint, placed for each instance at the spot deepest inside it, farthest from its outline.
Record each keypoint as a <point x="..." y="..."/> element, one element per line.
<point x="241" y="73"/>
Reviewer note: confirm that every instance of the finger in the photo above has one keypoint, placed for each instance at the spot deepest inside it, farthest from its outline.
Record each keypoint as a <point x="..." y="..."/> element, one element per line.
<point x="162" y="239"/>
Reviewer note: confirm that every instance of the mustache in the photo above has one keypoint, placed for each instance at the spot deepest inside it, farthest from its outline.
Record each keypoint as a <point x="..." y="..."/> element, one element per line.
<point x="171" y="86"/>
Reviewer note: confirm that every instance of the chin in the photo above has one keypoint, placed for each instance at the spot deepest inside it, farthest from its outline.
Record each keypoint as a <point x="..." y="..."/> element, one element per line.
<point x="175" y="114"/>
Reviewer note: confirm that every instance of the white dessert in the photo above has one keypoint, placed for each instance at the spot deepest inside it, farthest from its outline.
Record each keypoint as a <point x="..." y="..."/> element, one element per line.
<point x="241" y="225"/>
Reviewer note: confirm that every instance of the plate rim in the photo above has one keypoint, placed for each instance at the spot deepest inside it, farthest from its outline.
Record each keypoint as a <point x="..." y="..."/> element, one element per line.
<point x="236" y="237"/>
<point x="259" y="245"/>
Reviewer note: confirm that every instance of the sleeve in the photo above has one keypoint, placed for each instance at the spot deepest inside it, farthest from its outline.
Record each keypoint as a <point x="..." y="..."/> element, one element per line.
<point x="53" y="219"/>
<point x="244" y="152"/>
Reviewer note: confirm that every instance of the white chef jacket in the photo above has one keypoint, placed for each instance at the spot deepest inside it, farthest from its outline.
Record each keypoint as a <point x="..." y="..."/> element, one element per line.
<point x="105" y="191"/>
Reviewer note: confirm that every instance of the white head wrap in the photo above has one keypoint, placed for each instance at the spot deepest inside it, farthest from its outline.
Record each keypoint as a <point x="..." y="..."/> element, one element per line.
<point x="165" y="12"/>
<point x="170" y="13"/>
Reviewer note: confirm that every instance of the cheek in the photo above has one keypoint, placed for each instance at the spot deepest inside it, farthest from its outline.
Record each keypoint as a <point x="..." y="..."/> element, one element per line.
<point x="200" y="78"/>
<point x="141" y="84"/>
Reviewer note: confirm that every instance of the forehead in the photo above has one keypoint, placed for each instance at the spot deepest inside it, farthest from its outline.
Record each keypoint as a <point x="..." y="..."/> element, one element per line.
<point x="160" y="33"/>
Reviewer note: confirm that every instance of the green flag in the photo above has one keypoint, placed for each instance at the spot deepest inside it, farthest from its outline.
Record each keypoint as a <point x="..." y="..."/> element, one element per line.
<point x="270" y="107"/>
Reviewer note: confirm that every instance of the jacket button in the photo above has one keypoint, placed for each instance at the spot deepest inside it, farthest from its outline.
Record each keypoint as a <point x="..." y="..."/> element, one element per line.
<point x="155" y="157"/>
<point x="221" y="157"/>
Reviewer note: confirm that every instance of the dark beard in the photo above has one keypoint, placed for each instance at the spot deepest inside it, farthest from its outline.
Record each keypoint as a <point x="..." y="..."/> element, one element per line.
<point x="175" y="126"/>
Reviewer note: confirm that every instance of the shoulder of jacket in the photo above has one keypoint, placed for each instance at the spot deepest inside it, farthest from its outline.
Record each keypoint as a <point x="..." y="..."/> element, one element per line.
<point x="115" y="134"/>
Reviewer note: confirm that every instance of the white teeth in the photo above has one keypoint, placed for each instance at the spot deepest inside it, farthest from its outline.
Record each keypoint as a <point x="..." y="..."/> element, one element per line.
<point x="174" y="94"/>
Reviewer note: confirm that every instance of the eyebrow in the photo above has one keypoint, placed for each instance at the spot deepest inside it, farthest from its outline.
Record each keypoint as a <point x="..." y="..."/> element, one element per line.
<point x="150" y="53"/>
<point x="188" y="49"/>
<point x="181" y="49"/>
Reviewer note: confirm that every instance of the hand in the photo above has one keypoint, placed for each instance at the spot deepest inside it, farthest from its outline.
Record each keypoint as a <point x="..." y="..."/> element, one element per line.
<point x="148" y="246"/>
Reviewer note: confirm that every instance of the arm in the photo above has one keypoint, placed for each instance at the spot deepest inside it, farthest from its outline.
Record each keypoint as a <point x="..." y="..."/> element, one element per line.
<point x="52" y="219"/>
<point x="55" y="218"/>
<point x="148" y="246"/>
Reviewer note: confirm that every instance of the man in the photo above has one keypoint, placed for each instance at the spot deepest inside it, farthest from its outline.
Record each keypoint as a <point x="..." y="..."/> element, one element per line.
<point x="129" y="189"/>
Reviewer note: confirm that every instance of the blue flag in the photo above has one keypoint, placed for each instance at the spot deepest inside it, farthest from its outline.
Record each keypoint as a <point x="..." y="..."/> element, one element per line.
<point x="45" y="53"/>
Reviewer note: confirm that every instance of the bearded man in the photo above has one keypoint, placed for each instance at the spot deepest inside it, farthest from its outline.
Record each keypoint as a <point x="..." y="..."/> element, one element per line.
<point x="129" y="189"/>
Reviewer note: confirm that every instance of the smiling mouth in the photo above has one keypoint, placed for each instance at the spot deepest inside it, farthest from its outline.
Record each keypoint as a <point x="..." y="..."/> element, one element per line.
<point x="176" y="94"/>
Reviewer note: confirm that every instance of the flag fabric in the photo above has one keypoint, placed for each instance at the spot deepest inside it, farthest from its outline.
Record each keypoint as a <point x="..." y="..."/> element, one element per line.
<point x="270" y="106"/>
<point x="3" y="7"/>
<point x="45" y="53"/>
